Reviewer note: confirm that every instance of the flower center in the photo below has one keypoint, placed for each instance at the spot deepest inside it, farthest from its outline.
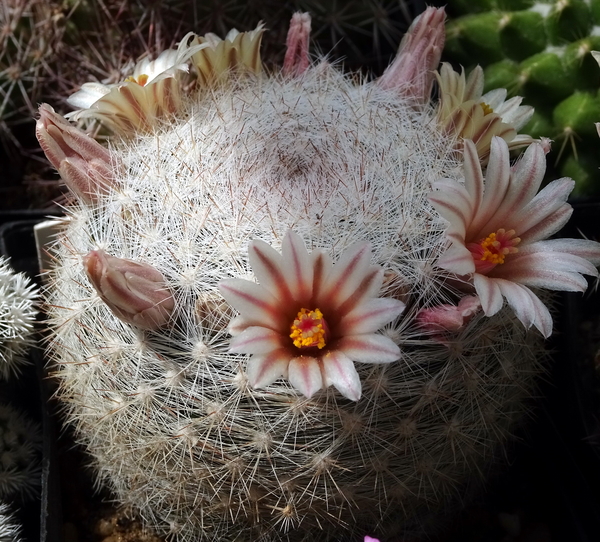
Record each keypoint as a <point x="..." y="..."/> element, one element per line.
<point x="141" y="80"/>
<point x="486" y="108"/>
<point x="493" y="250"/>
<point x="309" y="329"/>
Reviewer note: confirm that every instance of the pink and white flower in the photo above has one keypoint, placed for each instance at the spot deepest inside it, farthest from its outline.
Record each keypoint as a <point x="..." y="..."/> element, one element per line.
<point x="498" y="230"/>
<point x="309" y="320"/>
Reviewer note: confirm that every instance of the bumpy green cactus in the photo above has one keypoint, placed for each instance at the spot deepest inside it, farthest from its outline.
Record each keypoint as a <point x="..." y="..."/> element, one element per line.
<point x="541" y="51"/>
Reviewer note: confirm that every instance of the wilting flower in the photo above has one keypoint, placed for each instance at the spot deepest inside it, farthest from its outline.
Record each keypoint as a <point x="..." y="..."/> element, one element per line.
<point x="84" y="165"/>
<point x="412" y="71"/>
<point x="309" y="320"/>
<point x="467" y="114"/>
<point x="497" y="229"/>
<point x="150" y="92"/>
<point x="216" y="58"/>
<point x="135" y="292"/>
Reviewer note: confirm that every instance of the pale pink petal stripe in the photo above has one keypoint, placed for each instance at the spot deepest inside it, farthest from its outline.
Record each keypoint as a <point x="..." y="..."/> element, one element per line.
<point x="304" y="373"/>
<point x="545" y="214"/>
<point x="266" y="264"/>
<point x="297" y="267"/>
<point x="457" y="259"/>
<point x="369" y="348"/>
<point x="264" y="369"/>
<point x="543" y="319"/>
<point x="257" y="340"/>
<point x="370" y="316"/>
<point x="496" y="184"/>
<point x="489" y="293"/>
<point x="340" y="371"/>
<point x="254" y="302"/>
<point x="366" y="289"/>
<point x="452" y="202"/>
<point x="519" y="300"/>
<point x="346" y="275"/>
<point x="527" y="176"/>
<point x="584" y="248"/>
<point x="473" y="178"/>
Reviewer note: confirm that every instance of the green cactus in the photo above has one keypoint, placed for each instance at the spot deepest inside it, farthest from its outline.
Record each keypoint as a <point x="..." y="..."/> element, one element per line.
<point x="540" y="50"/>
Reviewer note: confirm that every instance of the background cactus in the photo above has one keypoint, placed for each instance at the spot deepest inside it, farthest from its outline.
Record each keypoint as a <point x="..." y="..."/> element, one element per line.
<point x="9" y="530"/>
<point x="540" y="50"/>
<point x="17" y="318"/>
<point x="20" y="447"/>
<point x="168" y="415"/>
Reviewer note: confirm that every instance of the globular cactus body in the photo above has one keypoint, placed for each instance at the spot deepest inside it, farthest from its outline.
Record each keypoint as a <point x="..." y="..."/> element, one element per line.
<point x="167" y="411"/>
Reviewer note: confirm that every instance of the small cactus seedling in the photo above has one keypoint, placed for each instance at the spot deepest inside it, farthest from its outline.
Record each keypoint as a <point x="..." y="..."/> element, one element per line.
<point x="20" y="446"/>
<point x="299" y="305"/>
<point x="18" y="311"/>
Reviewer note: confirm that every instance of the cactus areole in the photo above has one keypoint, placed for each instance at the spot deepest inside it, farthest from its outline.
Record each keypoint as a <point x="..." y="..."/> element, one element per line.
<point x="297" y="305"/>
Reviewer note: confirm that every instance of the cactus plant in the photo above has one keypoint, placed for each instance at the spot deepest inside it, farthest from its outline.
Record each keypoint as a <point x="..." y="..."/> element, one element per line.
<point x="18" y="312"/>
<point x="540" y="50"/>
<point x="20" y="445"/>
<point x="9" y="530"/>
<point x="372" y="410"/>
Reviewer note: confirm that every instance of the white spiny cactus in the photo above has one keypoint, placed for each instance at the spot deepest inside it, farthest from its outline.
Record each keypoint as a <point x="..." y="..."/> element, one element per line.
<point x="179" y="425"/>
<point x="10" y="531"/>
<point x="17" y="318"/>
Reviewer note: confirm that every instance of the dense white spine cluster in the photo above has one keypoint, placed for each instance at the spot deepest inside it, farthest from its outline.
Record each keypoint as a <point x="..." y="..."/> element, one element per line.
<point x="9" y="530"/>
<point x="17" y="318"/>
<point x="168" y="415"/>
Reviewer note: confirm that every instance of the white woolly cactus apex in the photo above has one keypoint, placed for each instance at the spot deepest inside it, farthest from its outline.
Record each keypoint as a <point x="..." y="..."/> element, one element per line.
<point x="18" y="310"/>
<point x="339" y="352"/>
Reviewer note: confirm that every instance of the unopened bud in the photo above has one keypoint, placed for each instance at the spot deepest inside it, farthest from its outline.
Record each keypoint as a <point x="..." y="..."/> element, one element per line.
<point x="135" y="292"/>
<point x="448" y="318"/>
<point x="84" y="165"/>
<point x="412" y="71"/>
<point x="296" y="59"/>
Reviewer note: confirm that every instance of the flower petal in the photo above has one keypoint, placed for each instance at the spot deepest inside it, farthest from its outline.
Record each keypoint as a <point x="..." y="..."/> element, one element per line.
<point x="304" y="373"/>
<point x="256" y="340"/>
<point x="297" y="266"/>
<point x="264" y="369"/>
<point x="452" y="202"/>
<point x="546" y="213"/>
<point x="267" y="265"/>
<point x="340" y="372"/>
<point x="369" y="316"/>
<point x="489" y="293"/>
<point x="369" y="348"/>
<point x="528" y="308"/>
<point x="252" y="300"/>
<point x="457" y="259"/>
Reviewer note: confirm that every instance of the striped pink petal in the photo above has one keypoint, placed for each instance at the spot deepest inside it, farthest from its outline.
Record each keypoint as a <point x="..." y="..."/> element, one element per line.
<point x="267" y="265"/>
<point x="304" y="373"/>
<point x="297" y="266"/>
<point x="371" y="315"/>
<point x="254" y="302"/>
<point x="264" y="369"/>
<point x="489" y="294"/>
<point x="257" y="340"/>
<point x="340" y="372"/>
<point x="369" y="348"/>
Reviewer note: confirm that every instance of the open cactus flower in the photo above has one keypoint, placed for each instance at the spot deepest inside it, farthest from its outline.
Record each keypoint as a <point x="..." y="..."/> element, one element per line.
<point x="290" y="304"/>
<point x="498" y="230"/>
<point x="310" y="320"/>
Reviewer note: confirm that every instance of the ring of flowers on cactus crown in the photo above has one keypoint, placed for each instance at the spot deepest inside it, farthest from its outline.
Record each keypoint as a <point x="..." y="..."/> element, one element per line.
<point x="498" y="230"/>
<point x="309" y="320"/>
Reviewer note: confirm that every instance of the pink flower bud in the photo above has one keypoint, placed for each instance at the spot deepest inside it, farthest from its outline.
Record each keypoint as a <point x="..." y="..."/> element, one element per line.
<point x="412" y="71"/>
<point x="84" y="165"/>
<point x="135" y="292"/>
<point x="448" y="318"/>
<point x="296" y="56"/>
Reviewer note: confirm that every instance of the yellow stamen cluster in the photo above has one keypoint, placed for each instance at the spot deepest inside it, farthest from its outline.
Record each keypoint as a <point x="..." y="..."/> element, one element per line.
<point x="141" y="80"/>
<point x="487" y="110"/>
<point x="308" y="329"/>
<point x="497" y="245"/>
